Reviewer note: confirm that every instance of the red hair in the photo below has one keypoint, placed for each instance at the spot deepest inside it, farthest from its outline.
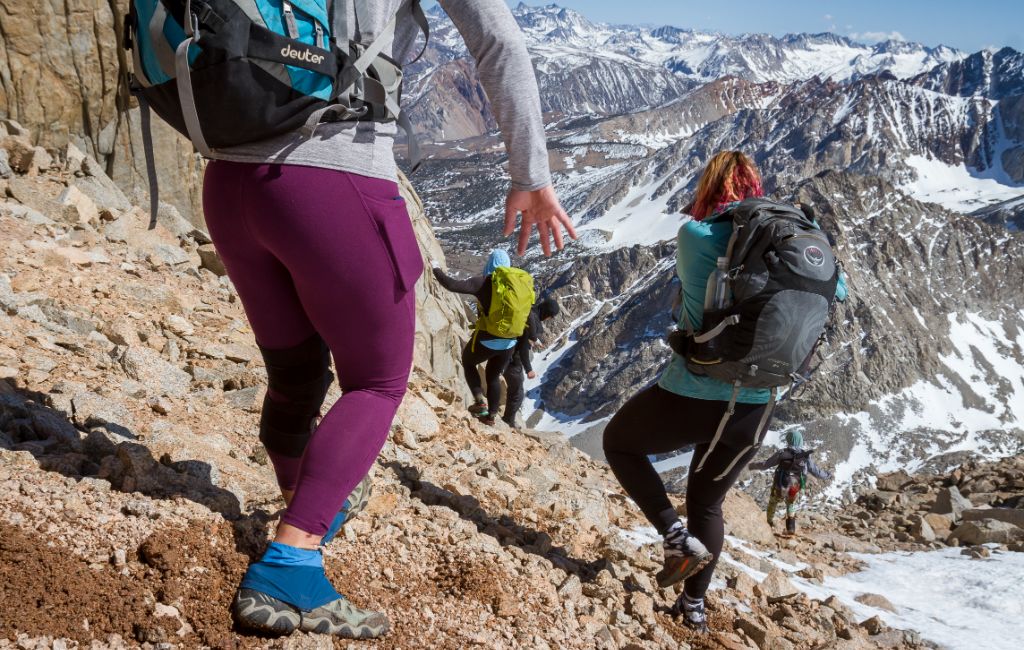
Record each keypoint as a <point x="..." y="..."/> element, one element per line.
<point x="729" y="177"/>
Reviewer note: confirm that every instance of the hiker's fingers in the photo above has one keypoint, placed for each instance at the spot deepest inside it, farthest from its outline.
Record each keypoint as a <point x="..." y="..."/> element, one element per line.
<point x="564" y="218"/>
<point x="510" y="216"/>
<point x="544" y="229"/>
<point x="556" y="232"/>
<point x="524" y="235"/>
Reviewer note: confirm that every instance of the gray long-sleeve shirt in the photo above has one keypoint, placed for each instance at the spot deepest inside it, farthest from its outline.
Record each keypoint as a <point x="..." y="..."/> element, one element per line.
<point x="365" y="148"/>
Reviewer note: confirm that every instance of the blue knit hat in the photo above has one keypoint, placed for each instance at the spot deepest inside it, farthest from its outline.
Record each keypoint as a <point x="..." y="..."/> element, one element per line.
<point x="795" y="438"/>
<point x="497" y="259"/>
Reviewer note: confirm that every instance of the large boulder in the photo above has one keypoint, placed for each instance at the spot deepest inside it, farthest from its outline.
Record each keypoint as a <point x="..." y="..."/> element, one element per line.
<point x="1013" y="516"/>
<point x="987" y="531"/>
<point x="950" y="502"/>
<point x="776" y="586"/>
<point x="893" y="482"/>
<point x="745" y="519"/>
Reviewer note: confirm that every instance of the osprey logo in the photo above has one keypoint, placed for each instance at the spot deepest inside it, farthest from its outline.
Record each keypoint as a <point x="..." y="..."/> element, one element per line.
<point x="814" y="256"/>
<point x="304" y="55"/>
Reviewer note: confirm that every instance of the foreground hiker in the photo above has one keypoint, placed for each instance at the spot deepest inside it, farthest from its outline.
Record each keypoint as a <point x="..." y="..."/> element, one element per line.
<point x="303" y="206"/>
<point x="792" y="466"/>
<point x="505" y="297"/>
<point x="724" y="419"/>
<point x="520" y="366"/>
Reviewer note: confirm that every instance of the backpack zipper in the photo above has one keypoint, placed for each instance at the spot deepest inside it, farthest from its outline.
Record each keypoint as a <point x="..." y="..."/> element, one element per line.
<point x="805" y="236"/>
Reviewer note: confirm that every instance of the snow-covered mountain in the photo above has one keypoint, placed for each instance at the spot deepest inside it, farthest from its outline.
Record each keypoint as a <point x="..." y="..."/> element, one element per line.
<point x="896" y="144"/>
<point x="587" y="68"/>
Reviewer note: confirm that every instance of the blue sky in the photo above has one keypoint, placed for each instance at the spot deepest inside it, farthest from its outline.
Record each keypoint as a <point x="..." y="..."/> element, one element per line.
<point x="965" y="24"/>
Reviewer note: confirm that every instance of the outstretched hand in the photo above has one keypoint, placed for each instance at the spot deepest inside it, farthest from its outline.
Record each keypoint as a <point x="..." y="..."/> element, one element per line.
<point x="539" y="208"/>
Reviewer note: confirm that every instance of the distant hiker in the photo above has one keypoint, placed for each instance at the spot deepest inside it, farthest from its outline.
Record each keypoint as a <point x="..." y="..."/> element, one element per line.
<point x="505" y="297"/>
<point x="792" y="466"/>
<point x="688" y="406"/>
<point x="303" y="205"/>
<point x="520" y="367"/>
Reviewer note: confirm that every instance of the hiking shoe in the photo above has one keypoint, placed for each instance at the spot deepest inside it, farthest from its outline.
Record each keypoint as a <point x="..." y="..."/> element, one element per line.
<point x="353" y="505"/>
<point x="692" y="613"/>
<point x="258" y="611"/>
<point x="685" y="555"/>
<point x="488" y="420"/>
<point x="479" y="409"/>
<point x="342" y="618"/>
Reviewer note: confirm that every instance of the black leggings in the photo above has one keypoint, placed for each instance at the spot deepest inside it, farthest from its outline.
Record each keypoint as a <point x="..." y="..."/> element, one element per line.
<point x="515" y="377"/>
<point x="656" y="421"/>
<point x="496" y="360"/>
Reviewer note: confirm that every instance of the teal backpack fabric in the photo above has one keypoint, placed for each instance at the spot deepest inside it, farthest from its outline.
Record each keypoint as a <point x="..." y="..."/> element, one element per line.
<point x="231" y="72"/>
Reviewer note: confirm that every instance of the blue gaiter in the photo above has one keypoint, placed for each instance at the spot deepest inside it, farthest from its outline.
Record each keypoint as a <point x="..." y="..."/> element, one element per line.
<point x="293" y="575"/>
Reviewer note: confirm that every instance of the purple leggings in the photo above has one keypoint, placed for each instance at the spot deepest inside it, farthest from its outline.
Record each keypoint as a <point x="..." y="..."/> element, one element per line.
<point x="321" y="252"/>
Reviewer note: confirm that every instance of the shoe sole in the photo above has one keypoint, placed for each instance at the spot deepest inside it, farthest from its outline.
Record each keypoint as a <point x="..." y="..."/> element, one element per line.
<point x="683" y="570"/>
<point x="261" y="613"/>
<point x="325" y="625"/>
<point x="331" y="619"/>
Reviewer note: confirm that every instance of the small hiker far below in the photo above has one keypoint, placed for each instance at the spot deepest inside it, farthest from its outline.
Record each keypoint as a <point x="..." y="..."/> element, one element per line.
<point x="505" y="295"/>
<point x="792" y="465"/>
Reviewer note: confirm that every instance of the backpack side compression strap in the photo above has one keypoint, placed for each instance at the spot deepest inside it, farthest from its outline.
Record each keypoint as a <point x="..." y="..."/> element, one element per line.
<point x="184" y="82"/>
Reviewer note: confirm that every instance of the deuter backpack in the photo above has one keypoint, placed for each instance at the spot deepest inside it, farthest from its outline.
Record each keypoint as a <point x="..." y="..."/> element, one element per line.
<point x="782" y="276"/>
<point x="231" y="72"/>
<point x="512" y="297"/>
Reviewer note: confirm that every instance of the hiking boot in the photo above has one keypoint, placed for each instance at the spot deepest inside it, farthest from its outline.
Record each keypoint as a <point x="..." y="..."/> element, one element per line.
<point x="791" y="525"/>
<point x="342" y="618"/>
<point x="353" y="505"/>
<point x="692" y="613"/>
<point x="685" y="555"/>
<point x="479" y="409"/>
<point x="258" y="611"/>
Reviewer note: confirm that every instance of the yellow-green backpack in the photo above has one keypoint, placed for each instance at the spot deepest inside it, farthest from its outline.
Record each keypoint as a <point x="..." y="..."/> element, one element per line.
<point x="512" y="297"/>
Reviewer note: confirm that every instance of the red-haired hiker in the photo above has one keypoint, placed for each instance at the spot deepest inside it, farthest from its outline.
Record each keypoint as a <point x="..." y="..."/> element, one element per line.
<point x="685" y="409"/>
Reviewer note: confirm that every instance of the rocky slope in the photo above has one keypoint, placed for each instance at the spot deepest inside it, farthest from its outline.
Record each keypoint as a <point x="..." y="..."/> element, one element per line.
<point x="133" y="490"/>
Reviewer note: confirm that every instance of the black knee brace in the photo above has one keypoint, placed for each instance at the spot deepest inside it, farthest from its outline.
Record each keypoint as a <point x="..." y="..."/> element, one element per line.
<point x="299" y="378"/>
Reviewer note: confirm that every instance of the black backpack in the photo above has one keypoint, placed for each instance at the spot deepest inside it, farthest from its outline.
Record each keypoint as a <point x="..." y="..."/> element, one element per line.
<point x="793" y="464"/>
<point x="782" y="276"/>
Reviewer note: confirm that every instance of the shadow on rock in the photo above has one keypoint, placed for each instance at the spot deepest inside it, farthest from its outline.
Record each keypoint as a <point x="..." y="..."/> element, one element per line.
<point x="109" y="451"/>
<point x="503" y="528"/>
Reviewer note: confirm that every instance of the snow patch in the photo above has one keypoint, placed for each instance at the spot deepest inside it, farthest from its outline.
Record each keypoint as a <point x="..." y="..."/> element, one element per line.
<point x="956" y="187"/>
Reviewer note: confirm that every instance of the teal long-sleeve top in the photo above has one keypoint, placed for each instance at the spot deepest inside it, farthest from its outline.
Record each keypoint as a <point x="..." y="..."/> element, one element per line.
<point x="698" y="247"/>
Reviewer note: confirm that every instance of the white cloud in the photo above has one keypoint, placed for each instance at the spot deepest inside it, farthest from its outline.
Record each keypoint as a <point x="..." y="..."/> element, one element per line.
<point x="828" y="18"/>
<point x="876" y="37"/>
